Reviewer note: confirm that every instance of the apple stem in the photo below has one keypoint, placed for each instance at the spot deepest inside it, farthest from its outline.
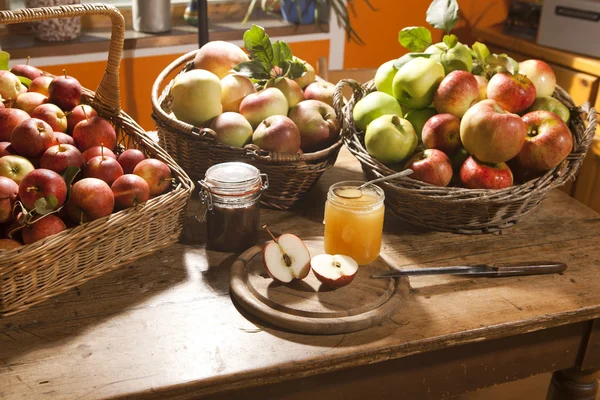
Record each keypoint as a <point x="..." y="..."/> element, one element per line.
<point x="286" y="258"/>
<point x="84" y="113"/>
<point x="59" y="148"/>
<point x="65" y="72"/>
<point x="27" y="62"/>
<point x="102" y="150"/>
<point x="32" y="189"/>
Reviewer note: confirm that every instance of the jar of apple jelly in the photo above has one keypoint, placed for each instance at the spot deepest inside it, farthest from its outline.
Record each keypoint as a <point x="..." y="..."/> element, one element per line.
<point x="231" y="192"/>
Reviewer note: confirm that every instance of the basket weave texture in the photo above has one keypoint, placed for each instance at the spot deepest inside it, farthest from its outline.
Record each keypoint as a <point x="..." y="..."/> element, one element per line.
<point x="460" y="210"/>
<point x="35" y="272"/>
<point x="291" y="176"/>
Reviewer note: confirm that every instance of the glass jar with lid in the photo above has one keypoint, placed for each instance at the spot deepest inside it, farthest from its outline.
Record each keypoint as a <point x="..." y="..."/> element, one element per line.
<point x="231" y="192"/>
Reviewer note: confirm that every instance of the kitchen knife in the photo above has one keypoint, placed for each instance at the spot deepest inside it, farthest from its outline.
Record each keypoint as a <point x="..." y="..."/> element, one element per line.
<point x="482" y="270"/>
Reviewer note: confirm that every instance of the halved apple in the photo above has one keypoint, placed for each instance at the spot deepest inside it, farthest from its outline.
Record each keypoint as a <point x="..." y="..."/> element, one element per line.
<point x="334" y="271"/>
<point x="287" y="258"/>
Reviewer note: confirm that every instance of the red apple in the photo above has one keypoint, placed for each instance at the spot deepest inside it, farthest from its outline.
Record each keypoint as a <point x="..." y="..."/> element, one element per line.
<point x="15" y="167"/>
<point x="320" y="90"/>
<point x="548" y="142"/>
<point x="431" y="166"/>
<point x="475" y="174"/>
<point x="95" y="131"/>
<point x="7" y="244"/>
<point x="130" y="190"/>
<point x="78" y="114"/>
<point x="9" y="119"/>
<point x="90" y="199"/>
<point x="65" y="92"/>
<point x="53" y="115"/>
<point x="32" y="137"/>
<point x="102" y="167"/>
<point x="61" y="156"/>
<point x="98" y="151"/>
<point x="334" y="271"/>
<point x="442" y="132"/>
<point x="156" y="173"/>
<point x="277" y="133"/>
<point x="256" y="107"/>
<point x="63" y="138"/>
<point x="29" y="101"/>
<point x="318" y="125"/>
<point x="219" y="57"/>
<point x="42" y="228"/>
<point x="490" y="133"/>
<point x="42" y="183"/>
<point x="514" y="93"/>
<point x="541" y="74"/>
<point x="457" y="92"/>
<point x="6" y="149"/>
<point x="233" y="90"/>
<point x="129" y="159"/>
<point x="41" y="85"/>
<point x="26" y="70"/>
<point x="9" y="191"/>
<point x="285" y="269"/>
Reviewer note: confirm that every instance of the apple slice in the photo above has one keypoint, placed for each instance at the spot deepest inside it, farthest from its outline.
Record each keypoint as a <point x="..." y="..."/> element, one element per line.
<point x="286" y="258"/>
<point x="334" y="271"/>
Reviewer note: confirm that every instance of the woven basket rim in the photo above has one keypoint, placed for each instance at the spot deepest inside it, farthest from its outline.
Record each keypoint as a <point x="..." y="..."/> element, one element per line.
<point x="550" y="179"/>
<point x="206" y="135"/>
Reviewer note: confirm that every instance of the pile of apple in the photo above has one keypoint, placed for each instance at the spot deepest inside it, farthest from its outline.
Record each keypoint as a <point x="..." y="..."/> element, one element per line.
<point x="286" y="259"/>
<point x="465" y="117"/>
<point x="58" y="160"/>
<point x="246" y="103"/>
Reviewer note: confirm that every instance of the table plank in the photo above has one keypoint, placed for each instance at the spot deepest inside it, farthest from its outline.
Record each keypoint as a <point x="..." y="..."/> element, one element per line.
<point x="167" y="321"/>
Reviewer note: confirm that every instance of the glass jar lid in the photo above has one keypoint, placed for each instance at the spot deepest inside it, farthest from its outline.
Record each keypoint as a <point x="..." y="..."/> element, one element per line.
<point x="233" y="179"/>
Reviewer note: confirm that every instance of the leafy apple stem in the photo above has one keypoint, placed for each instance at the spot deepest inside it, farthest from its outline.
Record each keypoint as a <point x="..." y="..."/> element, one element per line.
<point x="286" y="258"/>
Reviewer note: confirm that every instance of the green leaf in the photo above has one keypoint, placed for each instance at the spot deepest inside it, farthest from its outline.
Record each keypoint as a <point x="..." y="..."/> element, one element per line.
<point x="45" y="205"/>
<point x="415" y="38"/>
<point x="450" y="41"/>
<point x="281" y="53"/>
<point x="25" y="81"/>
<point x="443" y="14"/>
<point x="253" y="69"/>
<point x="69" y="176"/>
<point x="499" y="63"/>
<point x="481" y="52"/>
<point x="295" y="69"/>
<point x="259" y="46"/>
<point x="4" y="58"/>
<point x="409" y="57"/>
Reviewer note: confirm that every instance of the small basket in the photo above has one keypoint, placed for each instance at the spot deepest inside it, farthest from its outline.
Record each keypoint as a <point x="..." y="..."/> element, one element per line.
<point x="33" y="273"/>
<point x="291" y="176"/>
<point x="460" y="210"/>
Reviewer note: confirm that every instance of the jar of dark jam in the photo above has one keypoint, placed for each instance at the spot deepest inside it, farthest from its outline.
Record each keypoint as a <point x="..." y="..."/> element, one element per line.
<point x="231" y="192"/>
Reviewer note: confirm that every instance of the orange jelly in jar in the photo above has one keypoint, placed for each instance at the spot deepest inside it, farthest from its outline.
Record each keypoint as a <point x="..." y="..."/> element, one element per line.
<point x="354" y="221"/>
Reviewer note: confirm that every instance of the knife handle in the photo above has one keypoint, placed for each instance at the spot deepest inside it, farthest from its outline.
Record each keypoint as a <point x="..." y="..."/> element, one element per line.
<point x="528" y="268"/>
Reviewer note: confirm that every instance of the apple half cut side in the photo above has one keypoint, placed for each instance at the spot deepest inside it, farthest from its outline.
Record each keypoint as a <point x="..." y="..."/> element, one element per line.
<point x="287" y="258"/>
<point x="334" y="271"/>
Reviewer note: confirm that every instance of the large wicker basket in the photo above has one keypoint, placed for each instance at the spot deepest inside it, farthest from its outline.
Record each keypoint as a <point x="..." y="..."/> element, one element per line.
<point x="195" y="149"/>
<point x="35" y="272"/>
<point x="460" y="210"/>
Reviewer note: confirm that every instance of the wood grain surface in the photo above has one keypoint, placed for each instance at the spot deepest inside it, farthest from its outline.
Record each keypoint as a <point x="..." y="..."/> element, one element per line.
<point x="166" y="324"/>
<point x="307" y="305"/>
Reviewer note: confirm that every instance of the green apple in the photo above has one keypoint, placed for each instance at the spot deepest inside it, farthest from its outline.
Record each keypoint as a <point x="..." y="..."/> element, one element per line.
<point x="194" y="94"/>
<point x="385" y="76"/>
<point x="232" y="129"/>
<point x="373" y="106"/>
<point x="418" y="118"/>
<point x="551" y="104"/>
<point x="391" y="139"/>
<point x="415" y="83"/>
<point x="457" y="58"/>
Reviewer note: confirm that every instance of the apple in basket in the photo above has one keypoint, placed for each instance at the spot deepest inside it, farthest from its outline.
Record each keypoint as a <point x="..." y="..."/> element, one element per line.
<point x="65" y="91"/>
<point x="335" y="270"/>
<point x="26" y="70"/>
<point x="41" y="85"/>
<point x="94" y="131"/>
<point x="457" y="58"/>
<point x="442" y="132"/>
<point x="457" y="92"/>
<point x="156" y="173"/>
<point x="195" y="97"/>
<point x="233" y="90"/>
<point x="7" y="244"/>
<point x="320" y="90"/>
<point x="63" y="138"/>
<point x="6" y="149"/>
<point x="78" y="114"/>
<point x="257" y="107"/>
<point x="90" y="199"/>
<point x="9" y="119"/>
<point x="431" y="166"/>
<point x="129" y="159"/>
<point x="42" y="184"/>
<point x="219" y="57"/>
<point x="290" y="89"/>
<point x="490" y="133"/>
<point x="318" y="125"/>
<point x="514" y="93"/>
<point x="10" y="86"/>
<point x="551" y="104"/>
<point x="418" y="118"/>
<point x="308" y="77"/>
<point x="9" y="191"/>
<point x="390" y="139"/>
<point x="42" y="227"/>
<point x="104" y="168"/>
<point x="95" y="151"/>
<point x="15" y="167"/>
<point x="286" y="258"/>
<point x="385" y="76"/>
<point x="29" y="101"/>
<point x="130" y="190"/>
<point x="61" y="156"/>
<point x="475" y="174"/>
<point x="32" y="137"/>
<point x="52" y="115"/>
<point x="373" y="106"/>
<point x="416" y="82"/>
<point x="279" y="134"/>
<point x="541" y="74"/>
<point x="232" y="129"/>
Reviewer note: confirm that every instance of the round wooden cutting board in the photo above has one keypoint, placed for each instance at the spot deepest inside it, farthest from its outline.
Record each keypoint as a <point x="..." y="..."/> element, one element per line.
<point x="307" y="305"/>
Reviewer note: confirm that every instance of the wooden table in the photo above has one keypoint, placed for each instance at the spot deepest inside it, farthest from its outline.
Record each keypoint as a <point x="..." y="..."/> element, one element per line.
<point x="166" y="327"/>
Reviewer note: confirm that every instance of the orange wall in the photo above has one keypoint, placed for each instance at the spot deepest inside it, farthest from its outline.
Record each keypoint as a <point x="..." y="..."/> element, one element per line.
<point x="379" y="29"/>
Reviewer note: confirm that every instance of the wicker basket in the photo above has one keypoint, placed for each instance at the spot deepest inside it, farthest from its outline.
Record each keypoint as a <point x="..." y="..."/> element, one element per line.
<point x="460" y="210"/>
<point x="35" y="272"/>
<point x="290" y="175"/>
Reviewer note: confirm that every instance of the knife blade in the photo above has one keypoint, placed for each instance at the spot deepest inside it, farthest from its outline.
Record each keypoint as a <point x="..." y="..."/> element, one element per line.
<point x="482" y="270"/>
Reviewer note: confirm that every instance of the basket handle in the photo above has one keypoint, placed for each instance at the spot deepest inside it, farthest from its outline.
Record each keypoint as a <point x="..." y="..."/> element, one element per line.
<point x="359" y="92"/>
<point x="108" y="91"/>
